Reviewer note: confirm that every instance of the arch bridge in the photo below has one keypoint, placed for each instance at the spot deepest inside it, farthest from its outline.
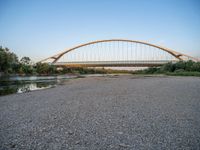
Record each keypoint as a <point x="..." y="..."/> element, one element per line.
<point x="116" y="52"/>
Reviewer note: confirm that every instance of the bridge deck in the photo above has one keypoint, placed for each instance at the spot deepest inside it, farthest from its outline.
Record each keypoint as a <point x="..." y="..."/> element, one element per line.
<point x="113" y="63"/>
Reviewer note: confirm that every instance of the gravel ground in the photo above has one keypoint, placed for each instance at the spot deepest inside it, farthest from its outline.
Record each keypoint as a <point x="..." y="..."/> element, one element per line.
<point x="119" y="112"/>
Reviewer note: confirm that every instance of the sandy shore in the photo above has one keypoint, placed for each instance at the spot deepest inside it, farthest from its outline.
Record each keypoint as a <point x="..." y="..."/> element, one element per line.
<point x="119" y="112"/>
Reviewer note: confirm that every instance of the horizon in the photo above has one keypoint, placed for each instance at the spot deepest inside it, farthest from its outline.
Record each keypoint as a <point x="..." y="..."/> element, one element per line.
<point x="39" y="29"/>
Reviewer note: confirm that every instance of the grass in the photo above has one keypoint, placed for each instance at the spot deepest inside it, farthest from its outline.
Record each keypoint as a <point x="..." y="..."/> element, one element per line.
<point x="185" y="73"/>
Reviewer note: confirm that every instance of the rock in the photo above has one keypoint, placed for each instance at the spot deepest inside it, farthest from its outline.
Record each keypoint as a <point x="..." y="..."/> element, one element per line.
<point x="124" y="145"/>
<point x="70" y="132"/>
<point x="120" y="132"/>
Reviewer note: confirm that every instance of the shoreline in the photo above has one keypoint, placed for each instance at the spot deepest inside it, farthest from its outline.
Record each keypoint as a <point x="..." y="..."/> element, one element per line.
<point x="50" y="81"/>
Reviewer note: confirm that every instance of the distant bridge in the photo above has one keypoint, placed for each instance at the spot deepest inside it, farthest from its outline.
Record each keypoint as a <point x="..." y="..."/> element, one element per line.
<point x="116" y="53"/>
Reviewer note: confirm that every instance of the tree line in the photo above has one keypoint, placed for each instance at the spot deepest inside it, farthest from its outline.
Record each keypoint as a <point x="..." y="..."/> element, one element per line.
<point x="11" y="64"/>
<point x="185" y="68"/>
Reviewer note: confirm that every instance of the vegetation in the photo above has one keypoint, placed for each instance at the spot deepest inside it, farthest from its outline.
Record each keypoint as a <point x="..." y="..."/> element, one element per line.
<point x="8" y="61"/>
<point x="181" y="68"/>
<point x="10" y="64"/>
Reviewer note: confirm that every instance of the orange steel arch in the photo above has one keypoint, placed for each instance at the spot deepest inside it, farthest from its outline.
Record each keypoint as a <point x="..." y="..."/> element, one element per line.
<point x="172" y="52"/>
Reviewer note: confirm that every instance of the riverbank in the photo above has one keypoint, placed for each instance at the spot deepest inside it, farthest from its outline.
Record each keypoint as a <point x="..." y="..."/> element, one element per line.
<point x="107" y="112"/>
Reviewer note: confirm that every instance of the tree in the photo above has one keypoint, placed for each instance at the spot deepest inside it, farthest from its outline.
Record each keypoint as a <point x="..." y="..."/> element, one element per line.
<point x="180" y="65"/>
<point x="25" y="61"/>
<point x="7" y="60"/>
<point x="27" y="69"/>
<point x="169" y="67"/>
<point x="195" y="67"/>
<point x="43" y="68"/>
<point x="188" y="65"/>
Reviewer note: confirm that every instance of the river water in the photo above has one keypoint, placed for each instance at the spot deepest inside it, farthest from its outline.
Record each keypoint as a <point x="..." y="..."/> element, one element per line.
<point x="19" y="84"/>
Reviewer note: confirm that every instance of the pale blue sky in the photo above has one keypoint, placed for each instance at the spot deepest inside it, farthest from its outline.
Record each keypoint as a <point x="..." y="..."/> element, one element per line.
<point x="40" y="28"/>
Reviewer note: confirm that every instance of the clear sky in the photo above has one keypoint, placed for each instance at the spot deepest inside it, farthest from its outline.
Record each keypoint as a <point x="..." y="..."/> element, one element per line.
<point x="40" y="28"/>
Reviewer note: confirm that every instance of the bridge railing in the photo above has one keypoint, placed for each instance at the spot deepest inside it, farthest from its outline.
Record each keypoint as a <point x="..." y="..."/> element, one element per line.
<point x="114" y="63"/>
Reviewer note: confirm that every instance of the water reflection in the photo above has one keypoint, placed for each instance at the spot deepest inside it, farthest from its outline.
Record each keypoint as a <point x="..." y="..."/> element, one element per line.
<point x="10" y="85"/>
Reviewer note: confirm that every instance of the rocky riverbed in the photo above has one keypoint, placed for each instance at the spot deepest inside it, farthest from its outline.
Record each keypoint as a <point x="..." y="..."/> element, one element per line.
<point x="111" y="112"/>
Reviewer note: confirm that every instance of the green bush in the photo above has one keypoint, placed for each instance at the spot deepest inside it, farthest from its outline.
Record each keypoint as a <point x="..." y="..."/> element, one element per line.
<point x="179" y="70"/>
<point x="185" y="73"/>
<point x="188" y="68"/>
<point x="44" y="68"/>
<point x="179" y="65"/>
<point x="27" y="69"/>
<point x="151" y="70"/>
<point x="169" y="67"/>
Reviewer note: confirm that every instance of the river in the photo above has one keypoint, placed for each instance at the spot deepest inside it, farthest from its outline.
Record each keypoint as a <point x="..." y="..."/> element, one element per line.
<point x="21" y="84"/>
